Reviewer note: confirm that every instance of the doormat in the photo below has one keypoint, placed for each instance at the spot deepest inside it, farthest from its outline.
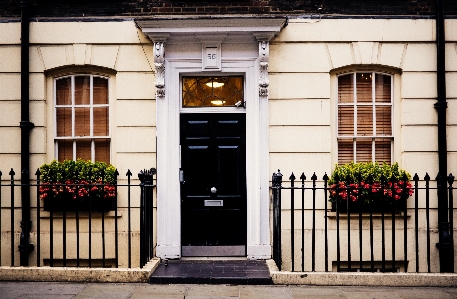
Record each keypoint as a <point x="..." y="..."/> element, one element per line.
<point x="240" y="272"/>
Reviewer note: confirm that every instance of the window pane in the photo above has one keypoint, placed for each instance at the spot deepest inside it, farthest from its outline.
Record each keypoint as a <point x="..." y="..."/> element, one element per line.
<point x="63" y="91"/>
<point x="364" y="121"/>
<point x="82" y="121"/>
<point x="383" y="88"/>
<point x="383" y="148"/>
<point x="63" y="119"/>
<point x="346" y="89"/>
<point x="346" y="120"/>
<point x="82" y="90"/>
<point x="345" y="151"/>
<point x="212" y="91"/>
<point x="101" y="121"/>
<point x="102" y="150"/>
<point x="100" y="90"/>
<point x="65" y="150"/>
<point x="364" y="150"/>
<point x="383" y="120"/>
<point x="364" y="87"/>
<point x="83" y="149"/>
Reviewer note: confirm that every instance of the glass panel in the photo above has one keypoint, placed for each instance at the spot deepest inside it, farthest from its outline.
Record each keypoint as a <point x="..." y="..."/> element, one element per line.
<point x="364" y="87"/>
<point x="102" y="150"/>
<point x="63" y="91"/>
<point x="63" y="117"/>
<point x="82" y="90"/>
<point x="364" y="148"/>
<point x="82" y="121"/>
<point x="383" y="148"/>
<point x="383" y="88"/>
<point x="346" y="120"/>
<point x="364" y="120"/>
<point x="346" y="89"/>
<point x="101" y="121"/>
<point x="65" y="150"/>
<point x="212" y="91"/>
<point x="383" y="120"/>
<point x="345" y="151"/>
<point x="100" y="90"/>
<point x="83" y="149"/>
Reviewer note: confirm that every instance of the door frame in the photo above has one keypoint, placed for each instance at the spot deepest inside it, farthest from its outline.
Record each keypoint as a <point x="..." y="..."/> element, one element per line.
<point x="240" y="45"/>
<point x="168" y="158"/>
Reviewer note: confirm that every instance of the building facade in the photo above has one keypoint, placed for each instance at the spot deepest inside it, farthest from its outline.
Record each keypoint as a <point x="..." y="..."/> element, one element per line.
<point x="217" y="97"/>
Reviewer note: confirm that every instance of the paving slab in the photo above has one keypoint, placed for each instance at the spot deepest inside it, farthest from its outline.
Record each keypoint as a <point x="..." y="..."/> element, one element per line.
<point x="21" y="290"/>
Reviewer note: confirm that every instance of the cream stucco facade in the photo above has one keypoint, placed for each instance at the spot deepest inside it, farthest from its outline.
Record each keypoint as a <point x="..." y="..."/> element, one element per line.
<point x="293" y="129"/>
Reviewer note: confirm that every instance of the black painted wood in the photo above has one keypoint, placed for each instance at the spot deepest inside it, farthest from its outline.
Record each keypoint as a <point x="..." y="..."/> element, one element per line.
<point x="213" y="151"/>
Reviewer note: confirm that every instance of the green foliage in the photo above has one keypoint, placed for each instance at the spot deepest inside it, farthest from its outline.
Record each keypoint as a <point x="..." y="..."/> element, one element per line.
<point x="357" y="172"/>
<point x="369" y="182"/>
<point x="79" y="170"/>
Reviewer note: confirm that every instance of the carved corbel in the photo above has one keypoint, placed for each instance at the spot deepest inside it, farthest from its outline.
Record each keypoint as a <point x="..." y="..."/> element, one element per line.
<point x="159" y="64"/>
<point x="263" y="68"/>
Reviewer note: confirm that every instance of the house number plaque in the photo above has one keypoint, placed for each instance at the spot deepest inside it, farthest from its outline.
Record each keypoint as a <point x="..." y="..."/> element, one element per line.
<point x="211" y="57"/>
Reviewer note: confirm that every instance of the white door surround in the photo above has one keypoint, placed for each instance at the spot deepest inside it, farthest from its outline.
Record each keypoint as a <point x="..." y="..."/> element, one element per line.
<point x="241" y="46"/>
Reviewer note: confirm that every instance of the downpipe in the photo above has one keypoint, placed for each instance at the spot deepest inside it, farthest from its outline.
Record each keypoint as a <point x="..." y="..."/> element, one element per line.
<point x="25" y="248"/>
<point x="444" y="245"/>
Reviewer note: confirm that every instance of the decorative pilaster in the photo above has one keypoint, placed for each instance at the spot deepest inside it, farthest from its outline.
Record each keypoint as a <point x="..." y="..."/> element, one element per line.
<point x="159" y="63"/>
<point x="264" y="50"/>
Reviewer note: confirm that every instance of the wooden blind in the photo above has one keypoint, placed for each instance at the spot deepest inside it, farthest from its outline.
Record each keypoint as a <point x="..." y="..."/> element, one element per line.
<point x="82" y="117"/>
<point x="365" y="117"/>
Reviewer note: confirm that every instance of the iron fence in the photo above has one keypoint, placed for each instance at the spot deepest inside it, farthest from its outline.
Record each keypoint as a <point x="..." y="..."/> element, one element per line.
<point x="93" y="231"/>
<point x="313" y="234"/>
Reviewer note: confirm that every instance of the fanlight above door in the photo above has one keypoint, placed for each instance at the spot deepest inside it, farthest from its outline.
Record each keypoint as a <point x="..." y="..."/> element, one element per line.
<point x="212" y="91"/>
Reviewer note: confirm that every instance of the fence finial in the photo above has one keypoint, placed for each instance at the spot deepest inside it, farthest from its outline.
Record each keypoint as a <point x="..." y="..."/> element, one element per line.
<point x="277" y="179"/>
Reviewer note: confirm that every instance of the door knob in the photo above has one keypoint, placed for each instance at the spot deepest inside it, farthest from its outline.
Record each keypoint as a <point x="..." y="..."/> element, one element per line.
<point x="213" y="190"/>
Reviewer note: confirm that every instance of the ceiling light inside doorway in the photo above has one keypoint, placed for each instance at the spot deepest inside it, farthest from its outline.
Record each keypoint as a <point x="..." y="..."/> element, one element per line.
<point x="214" y="84"/>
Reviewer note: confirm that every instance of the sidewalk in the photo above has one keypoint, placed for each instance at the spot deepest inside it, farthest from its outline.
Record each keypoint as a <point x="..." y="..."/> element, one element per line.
<point x="10" y="290"/>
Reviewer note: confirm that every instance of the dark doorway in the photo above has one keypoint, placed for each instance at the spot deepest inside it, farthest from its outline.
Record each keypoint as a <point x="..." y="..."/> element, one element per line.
<point x="213" y="184"/>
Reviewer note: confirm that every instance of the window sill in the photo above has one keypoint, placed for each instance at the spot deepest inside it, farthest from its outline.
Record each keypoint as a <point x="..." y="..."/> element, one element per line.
<point x="82" y="215"/>
<point x="367" y="215"/>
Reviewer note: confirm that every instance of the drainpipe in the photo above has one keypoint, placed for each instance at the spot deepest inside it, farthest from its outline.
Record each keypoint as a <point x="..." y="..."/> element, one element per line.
<point x="444" y="244"/>
<point x="24" y="247"/>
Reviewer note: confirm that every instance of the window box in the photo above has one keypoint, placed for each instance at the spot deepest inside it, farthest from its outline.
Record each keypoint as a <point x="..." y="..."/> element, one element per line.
<point x="369" y="187"/>
<point x="78" y="186"/>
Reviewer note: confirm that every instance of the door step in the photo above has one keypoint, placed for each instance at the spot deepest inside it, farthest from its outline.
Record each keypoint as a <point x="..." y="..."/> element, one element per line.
<point x="240" y="272"/>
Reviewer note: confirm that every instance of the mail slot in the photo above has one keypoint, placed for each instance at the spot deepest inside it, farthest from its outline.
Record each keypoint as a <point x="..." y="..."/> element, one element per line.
<point x="214" y="203"/>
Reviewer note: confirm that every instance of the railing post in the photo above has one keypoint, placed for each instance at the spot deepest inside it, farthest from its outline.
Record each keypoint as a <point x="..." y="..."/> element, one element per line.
<point x="276" y="186"/>
<point x="444" y="244"/>
<point x="146" y="212"/>
<point x="450" y="180"/>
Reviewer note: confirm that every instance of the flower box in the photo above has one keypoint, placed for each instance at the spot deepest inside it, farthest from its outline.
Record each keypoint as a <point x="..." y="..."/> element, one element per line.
<point x="78" y="186"/>
<point x="369" y="187"/>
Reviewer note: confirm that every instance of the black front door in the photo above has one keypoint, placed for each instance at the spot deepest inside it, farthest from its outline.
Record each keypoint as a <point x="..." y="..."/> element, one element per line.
<point x="213" y="184"/>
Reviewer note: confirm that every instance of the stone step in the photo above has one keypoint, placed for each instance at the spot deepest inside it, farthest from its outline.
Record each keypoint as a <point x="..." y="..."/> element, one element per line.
<point x="240" y="272"/>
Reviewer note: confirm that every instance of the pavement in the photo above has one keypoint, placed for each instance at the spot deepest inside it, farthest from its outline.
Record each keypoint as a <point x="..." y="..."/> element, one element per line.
<point x="28" y="290"/>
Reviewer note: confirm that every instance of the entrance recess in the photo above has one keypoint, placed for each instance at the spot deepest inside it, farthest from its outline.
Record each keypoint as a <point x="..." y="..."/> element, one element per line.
<point x="213" y="184"/>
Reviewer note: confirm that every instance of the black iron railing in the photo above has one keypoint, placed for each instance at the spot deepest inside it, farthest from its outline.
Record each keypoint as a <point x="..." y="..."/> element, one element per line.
<point x="313" y="234"/>
<point x="95" y="230"/>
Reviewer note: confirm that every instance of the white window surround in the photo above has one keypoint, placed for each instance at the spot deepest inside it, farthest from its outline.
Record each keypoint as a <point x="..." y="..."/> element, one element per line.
<point x="182" y="62"/>
<point x="396" y="104"/>
<point x="92" y="137"/>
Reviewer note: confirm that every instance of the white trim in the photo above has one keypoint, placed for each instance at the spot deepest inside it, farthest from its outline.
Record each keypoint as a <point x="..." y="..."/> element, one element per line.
<point x="168" y="158"/>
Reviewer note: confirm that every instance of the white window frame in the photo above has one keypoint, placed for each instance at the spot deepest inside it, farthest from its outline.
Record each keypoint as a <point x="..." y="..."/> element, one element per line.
<point x="91" y="105"/>
<point x="372" y="104"/>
